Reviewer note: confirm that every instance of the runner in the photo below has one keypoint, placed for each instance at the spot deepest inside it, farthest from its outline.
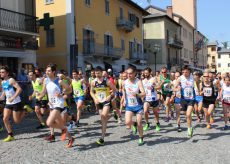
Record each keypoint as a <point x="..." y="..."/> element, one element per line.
<point x="55" y="88"/>
<point x="150" y="101"/>
<point x="225" y="94"/>
<point x="40" y="106"/>
<point x="208" y="98"/>
<point x="11" y="90"/>
<point x="177" y="99"/>
<point x="198" y="96"/>
<point x="187" y="96"/>
<point x="133" y="92"/>
<point x="78" y="93"/>
<point x="166" y="91"/>
<point x="120" y="82"/>
<point x="100" y="92"/>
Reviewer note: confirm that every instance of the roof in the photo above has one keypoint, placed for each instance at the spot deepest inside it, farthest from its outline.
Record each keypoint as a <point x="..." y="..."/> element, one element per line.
<point x="144" y="12"/>
<point x="212" y="44"/>
<point x="174" y="14"/>
<point x="158" y="15"/>
<point x="223" y="51"/>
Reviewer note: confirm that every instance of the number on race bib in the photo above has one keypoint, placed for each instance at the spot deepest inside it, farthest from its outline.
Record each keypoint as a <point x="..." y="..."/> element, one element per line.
<point x="76" y="92"/>
<point x="132" y="101"/>
<point x="53" y="99"/>
<point x="208" y="92"/>
<point x="227" y="99"/>
<point x="101" y="96"/>
<point x="188" y="93"/>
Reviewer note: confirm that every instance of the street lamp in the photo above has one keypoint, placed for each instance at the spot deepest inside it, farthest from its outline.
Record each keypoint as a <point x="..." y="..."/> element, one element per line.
<point x="156" y="49"/>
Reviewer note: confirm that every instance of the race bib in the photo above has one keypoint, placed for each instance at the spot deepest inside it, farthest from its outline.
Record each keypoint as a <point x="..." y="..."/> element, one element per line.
<point x="178" y="94"/>
<point x="188" y="93"/>
<point x="149" y="96"/>
<point x="207" y="92"/>
<point x="226" y="98"/>
<point x="132" y="101"/>
<point x="76" y="92"/>
<point x="167" y="87"/>
<point x="53" y="99"/>
<point x="101" y="96"/>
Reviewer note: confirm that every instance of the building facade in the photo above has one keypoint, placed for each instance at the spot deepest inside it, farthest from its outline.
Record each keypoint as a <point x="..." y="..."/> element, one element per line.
<point x="212" y="56"/>
<point x="18" y="33"/>
<point x="160" y="29"/>
<point x="89" y="33"/>
<point x="223" y="60"/>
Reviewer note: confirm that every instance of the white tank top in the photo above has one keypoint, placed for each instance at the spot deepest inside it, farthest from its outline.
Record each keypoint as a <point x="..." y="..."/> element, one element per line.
<point x="9" y="92"/>
<point x="131" y="88"/>
<point x="151" y="94"/>
<point x="187" y="86"/>
<point x="53" y="88"/>
<point x="226" y="93"/>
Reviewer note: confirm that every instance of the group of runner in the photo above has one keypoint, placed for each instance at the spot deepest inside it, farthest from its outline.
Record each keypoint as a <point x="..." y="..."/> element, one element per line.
<point x="178" y="92"/>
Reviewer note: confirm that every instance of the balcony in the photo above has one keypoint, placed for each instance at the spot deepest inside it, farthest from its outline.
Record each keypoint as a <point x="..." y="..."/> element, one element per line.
<point x="100" y="50"/>
<point x="138" y="56"/>
<point x="11" y="20"/>
<point x="8" y="42"/>
<point x="125" y="25"/>
<point x="174" y="42"/>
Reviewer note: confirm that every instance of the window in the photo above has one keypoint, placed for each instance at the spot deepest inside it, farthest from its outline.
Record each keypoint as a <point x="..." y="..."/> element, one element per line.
<point x="213" y="48"/>
<point x="213" y="59"/>
<point x="47" y="2"/>
<point x="131" y="49"/>
<point x="219" y="56"/>
<point x="185" y="53"/>
<point x="219" y="64"/>
<point x="229" y="55"/>
<point x="122" y="44"/>
<point x="190" y="36"/>
<point x="88" y="41"/>
<point x="108" y="43"/>
<point x="132" y="18"/>
<point x="137" y="22"/>
<point x="185" y="33"/>
<point x="190" y="54"/>
<point x="228" y="64"/>
<point x="88" y="2"/>
<point x="121" y="13"/>
<point x="107" y="7"/>
<point x="50" y="41"/>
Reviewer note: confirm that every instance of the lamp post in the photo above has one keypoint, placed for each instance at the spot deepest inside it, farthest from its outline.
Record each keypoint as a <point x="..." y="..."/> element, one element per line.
<point x="156" y="49"/>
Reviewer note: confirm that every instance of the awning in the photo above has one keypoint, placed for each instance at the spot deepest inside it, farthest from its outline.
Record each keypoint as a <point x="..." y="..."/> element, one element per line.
<point x="13" y="54"/>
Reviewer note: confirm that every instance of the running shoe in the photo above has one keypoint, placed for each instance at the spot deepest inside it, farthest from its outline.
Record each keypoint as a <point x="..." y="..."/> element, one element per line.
<point x="225" y="127"/>
<point x="9" y="138"/>
<point x="190" y="132"/>
<point x="134" y="128"/>
<point x="28" y="109"/>
<point x="119" y="120"/>
<point x="63" y="134"/>
<point x="77" y="124"/>
<point x="70" y="126"/>
<point x="146" y="127"/>
<point x="50" y="138"/>
<point x="115" y="115"/>
<point x="179" y="128"/>
<point x="208" y="126"/>
<point x="41" y="126"/>
<point x="158" y="128"/>
<point x="166" y="119"/>
<point x="1" y="128"/>
<point x="100" y="142"/>
<point x="140" y="142"/>
<point x="70" y="143"/>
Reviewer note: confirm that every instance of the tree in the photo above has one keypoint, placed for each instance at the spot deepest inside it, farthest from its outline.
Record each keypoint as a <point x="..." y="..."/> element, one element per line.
<point x="225" y="44"/>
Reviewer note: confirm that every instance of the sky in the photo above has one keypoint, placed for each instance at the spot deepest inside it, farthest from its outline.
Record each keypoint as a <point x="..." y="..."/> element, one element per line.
<point x="212" y="17"/>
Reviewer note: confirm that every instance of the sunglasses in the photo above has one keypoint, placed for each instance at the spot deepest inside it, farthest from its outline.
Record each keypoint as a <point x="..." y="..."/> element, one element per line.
<point x="205" y="76"/>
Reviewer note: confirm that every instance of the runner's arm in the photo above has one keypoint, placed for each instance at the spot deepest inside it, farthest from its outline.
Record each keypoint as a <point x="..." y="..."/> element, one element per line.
<point x="92" y="90"/>
<point x="142" y="90"/>
<point x="66" y="89"/>
<point x="43" y="93"/>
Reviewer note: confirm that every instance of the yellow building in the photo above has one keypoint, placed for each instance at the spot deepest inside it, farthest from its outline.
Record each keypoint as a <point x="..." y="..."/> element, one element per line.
<point x="107" y="33"/>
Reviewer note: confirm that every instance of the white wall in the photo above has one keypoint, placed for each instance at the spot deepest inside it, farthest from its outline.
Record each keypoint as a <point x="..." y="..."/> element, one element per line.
<point x="224" y="61"/>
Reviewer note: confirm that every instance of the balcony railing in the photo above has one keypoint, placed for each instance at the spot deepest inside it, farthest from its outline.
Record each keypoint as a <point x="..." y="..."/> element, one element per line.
<point x="17" y="21"/>
<point x="175" y="43"/>
<point x="138" y="56"/>
<point x="124" y="24"/>
<point x="101" y="50"/>
<point x="16" y="43"/>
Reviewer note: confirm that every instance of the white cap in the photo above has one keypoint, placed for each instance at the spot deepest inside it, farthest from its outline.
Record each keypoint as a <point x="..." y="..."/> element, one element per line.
<point x="109" y="70"/>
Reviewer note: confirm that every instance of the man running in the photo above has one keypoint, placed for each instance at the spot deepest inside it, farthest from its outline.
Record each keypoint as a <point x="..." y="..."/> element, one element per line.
<point x="78" y="93"/>
<point x="133" y="92"/>
<point x="40" y="106"/>
<point x="187" y="95"/>
<point x="150" y="100"/>
<point x="11" y="90"/>
<point x="56" y="88"/>
<point x="100" y="92"/>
